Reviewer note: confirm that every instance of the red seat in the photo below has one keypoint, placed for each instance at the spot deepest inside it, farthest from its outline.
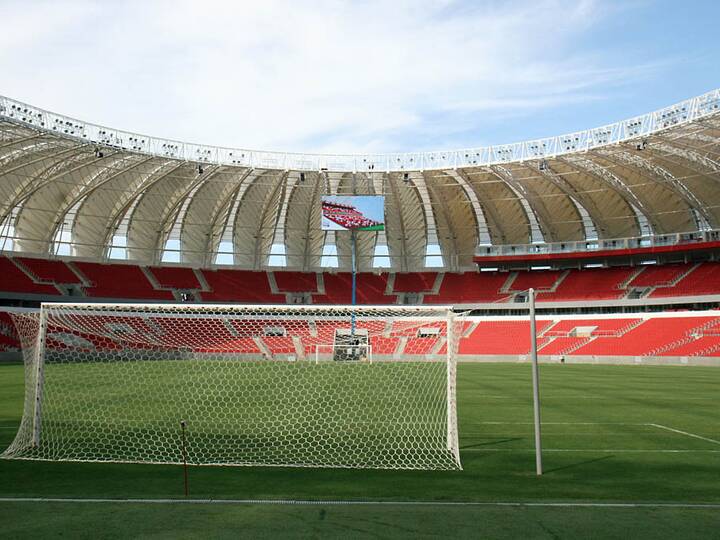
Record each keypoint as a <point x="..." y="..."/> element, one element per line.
<point x="175" y="277"/>
<point x="469" y="288"/>
<point x="16" y="281"/>
<point x="239" y="286"/>
<point x="51" y="271"/>
<point x="704" y="279"/>
<point x="119" y="281"/>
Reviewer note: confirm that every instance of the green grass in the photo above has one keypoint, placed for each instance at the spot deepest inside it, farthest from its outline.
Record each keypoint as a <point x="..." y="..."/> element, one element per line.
<point x="599" y="444"/>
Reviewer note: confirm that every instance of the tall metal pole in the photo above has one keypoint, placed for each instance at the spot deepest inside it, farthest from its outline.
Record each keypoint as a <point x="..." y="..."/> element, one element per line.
<point x="354" y="281"/>
<point x="536" y="383"/>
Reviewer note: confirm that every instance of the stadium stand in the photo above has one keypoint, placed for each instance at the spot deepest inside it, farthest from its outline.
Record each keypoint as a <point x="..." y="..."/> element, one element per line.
<point x="500" y="338"/>
<point x="652" y="337"/>
<point x="660" y="276"/>
<point x="16" y="281"/>
<point x="174" y="277"/>
<point x="9" y="340"/>
<point x="704" y="279"/>
<point x="469" y="287"/>
<point x="540" y="280"/>
<point x="239" y="286"/>
<point x="642" y="336"/>
<point x="416" y="282"/>
<point x="119" y="281"/>
<point x="25" y="275"/>
<point x="370" y="289"/>
<point x="299" y="282"/>
<point x="48" y="271"/>
<point x="590" y="284"/>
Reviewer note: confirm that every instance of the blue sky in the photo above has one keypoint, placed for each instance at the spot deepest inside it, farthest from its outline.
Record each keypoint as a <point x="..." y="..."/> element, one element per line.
<point x="365" y="76"/>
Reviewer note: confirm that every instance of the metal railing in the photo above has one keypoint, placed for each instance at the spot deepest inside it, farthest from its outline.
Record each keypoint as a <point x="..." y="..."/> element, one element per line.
<point x="633" y="128"/>
<point x="590" y="246"/>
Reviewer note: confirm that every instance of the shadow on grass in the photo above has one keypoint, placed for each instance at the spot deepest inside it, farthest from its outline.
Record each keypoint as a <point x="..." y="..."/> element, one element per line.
<point x="490" y="443"/>
<point x="578" y="464"/>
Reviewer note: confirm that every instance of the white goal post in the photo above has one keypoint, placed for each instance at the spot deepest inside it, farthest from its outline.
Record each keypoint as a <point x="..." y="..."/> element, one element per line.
<point x="369" y="387"/>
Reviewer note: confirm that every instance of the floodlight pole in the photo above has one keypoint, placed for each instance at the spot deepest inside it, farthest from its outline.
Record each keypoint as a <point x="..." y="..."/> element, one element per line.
<point x="536" y="383"/>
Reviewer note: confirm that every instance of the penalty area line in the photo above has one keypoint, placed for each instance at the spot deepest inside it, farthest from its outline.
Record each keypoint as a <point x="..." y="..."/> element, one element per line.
<point x="301" y="502"/>
<point x="667" y="428"/>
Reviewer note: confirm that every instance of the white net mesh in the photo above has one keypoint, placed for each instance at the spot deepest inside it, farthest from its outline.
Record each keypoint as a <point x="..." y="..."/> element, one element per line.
<point x="298" y="386"/>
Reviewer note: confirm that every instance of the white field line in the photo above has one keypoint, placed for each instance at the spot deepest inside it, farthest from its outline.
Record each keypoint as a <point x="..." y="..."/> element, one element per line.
<point x="600" y="397"/>
<point x="300" y="502"/>
<point x="594" y="450"/>
<point x="564" y="423"/>
<point x="660" y="426"/>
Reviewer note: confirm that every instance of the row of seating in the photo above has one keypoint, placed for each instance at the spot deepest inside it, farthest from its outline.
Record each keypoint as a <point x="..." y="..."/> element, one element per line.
<point x="674" y="335"/>
<point x="95" y="280"/>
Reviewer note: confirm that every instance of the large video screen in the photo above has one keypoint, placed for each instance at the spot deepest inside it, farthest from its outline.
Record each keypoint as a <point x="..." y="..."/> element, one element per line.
<point x="353" y="212"/>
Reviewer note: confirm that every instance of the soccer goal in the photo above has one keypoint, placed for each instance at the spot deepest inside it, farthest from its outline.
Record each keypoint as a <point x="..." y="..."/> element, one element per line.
<point x="307" y="386"/>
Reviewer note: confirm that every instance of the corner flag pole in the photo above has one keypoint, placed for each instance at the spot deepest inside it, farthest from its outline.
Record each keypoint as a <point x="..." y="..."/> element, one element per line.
<point x="536" y="383"/>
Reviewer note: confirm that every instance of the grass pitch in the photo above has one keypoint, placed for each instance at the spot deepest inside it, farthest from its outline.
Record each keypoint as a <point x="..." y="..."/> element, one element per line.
<point x="612" y="434"/>
<point x="385" y="415"/>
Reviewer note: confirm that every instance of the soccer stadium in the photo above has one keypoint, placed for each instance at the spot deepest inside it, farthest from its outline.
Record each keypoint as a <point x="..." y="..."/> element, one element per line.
<point x="510" y="341"/>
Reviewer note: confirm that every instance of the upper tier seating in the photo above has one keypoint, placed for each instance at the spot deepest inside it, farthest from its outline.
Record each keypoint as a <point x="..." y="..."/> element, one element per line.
<point x="370" y="289"/>
<point x="414" y="282"/>
<point x="119" y="281"/>
<point x="536" y="279"/>
<point x="174" y="277"/>
<point x="469" y="287"/>
<point x="24" y="275"/>
<point x="589" y="284"/>
<point x="239" y="286"/>
<point x="705" y="279"/>
<point x="298" y="282"/>
<point x="50" y="271"/>
<point x="659" y="276"/>
<point x="16" y="281"/>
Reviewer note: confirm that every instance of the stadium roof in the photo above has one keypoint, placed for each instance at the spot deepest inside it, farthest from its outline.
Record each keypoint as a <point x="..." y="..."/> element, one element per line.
<point x="73" y="188"/>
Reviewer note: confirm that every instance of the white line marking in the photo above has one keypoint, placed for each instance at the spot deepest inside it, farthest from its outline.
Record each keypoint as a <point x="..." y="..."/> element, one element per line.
<point x="299" y="502"/>
<point x="565" y="423"/>
<point x="660" y="426"/>
<point x="658" y="398"/>
<point x="596" y="450"/>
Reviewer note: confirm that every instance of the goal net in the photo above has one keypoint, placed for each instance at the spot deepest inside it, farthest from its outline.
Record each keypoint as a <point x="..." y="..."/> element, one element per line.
<point x="307" y="386"/>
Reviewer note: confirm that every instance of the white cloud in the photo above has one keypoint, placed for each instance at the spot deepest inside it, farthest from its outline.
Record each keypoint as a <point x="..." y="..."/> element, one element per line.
<point x="290" y="75"/>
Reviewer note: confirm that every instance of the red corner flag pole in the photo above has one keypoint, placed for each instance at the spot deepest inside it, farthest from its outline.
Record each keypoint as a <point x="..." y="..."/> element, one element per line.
<point x="536" y="383"/>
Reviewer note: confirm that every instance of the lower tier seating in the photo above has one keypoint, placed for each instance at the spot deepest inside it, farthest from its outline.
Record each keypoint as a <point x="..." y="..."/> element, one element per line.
<point x="657" y="335"/>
